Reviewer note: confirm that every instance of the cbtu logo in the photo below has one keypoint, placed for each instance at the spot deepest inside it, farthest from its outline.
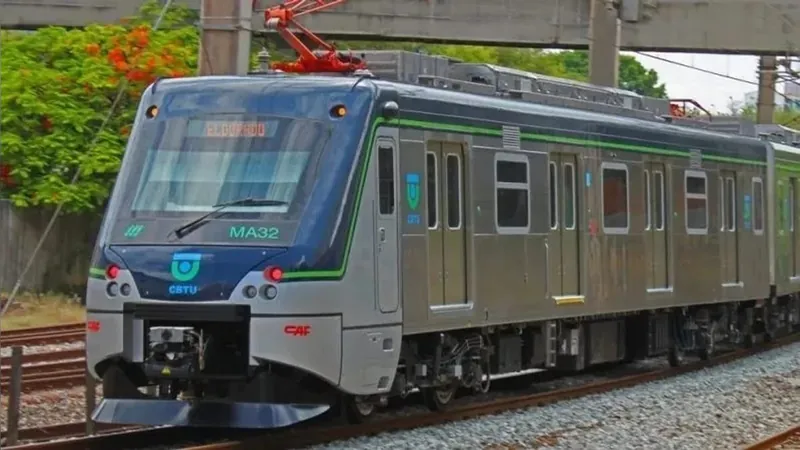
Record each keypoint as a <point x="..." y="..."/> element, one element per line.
<point x="184" y="267"/>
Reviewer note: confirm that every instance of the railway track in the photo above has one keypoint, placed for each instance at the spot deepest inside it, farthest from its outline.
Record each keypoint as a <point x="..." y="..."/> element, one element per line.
<point x="62" y="430"/>
<point x="785" y="440"/>
<point x="302" y="436"/>
<point x="57" y="334"/>
<point x="50" y="370"/>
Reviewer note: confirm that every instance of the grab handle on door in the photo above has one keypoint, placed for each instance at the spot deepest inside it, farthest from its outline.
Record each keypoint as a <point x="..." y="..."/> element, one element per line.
<point x="382" y="234"/>
<point x="547" y="269"/>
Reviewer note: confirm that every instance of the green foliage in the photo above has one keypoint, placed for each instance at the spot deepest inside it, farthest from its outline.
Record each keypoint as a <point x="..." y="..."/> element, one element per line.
<point x="58" y="87"/>
<point x="786" y="117"/>
<point x="568" y="64"/>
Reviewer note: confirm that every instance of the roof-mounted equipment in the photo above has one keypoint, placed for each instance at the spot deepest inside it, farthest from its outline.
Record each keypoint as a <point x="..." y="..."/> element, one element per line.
<point x="282" y="17"/>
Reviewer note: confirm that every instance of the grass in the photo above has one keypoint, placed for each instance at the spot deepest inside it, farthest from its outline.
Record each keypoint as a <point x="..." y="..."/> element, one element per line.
<point x="40" y="310"/>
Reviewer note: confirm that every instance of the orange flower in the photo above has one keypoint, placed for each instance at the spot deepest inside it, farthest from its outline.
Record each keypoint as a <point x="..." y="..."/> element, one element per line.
<point x="177" y="73"/>
<point x="93" y="49"/>
<point x="126" y="130"/>
<point x="116" y="55"/>
<point x="122" y="66"/>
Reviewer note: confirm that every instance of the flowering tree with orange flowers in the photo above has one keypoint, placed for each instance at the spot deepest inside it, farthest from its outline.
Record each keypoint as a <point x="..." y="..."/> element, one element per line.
<point x="58" y="88"/>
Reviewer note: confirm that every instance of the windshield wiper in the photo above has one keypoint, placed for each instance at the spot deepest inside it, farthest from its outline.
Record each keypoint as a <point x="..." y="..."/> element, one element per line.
<point x="194" y="224"/>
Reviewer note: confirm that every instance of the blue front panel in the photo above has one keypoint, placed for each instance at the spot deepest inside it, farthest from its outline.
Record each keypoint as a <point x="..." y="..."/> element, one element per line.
<point x="189" y="273"/>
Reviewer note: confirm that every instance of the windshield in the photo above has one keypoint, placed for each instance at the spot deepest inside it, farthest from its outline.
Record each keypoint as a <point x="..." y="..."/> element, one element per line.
<point x="183" y="166"/>
<point x="199" y="163"/>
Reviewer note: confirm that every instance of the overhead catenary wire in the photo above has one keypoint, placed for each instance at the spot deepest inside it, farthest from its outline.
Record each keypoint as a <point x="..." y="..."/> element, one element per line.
<point x="711" y="72"/>
<point x="120" y="91"/>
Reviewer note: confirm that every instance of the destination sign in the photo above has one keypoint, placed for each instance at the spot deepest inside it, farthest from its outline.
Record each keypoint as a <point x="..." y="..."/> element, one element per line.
<point x="220" y="129"/>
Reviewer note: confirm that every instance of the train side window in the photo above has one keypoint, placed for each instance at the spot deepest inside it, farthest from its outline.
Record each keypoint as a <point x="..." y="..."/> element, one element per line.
<point x="569" y="197"/>
<point x="730" y="204"/>
<point x="696" y="198"/>
<point x="386" y="179"/>
<point x="758" y="206"/>
<point x="512" y="190"/>
<point x="661" y="204"/>
<point x="553" y="196"/>
<point x="616" y="198"/>
<point x="432" y="190"/>
<point x="453" y="192"/>
<point x="648" y="210"/>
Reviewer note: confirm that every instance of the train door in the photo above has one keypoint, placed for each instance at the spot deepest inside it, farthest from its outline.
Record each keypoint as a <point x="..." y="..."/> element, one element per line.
<point x="656" y="225"/>
<point x="729" y="232"/>
<point x="447" y="243"/>
<point x="564" y="247"/>
<point x="386" y="246"/>
<point x="795" y="242"/>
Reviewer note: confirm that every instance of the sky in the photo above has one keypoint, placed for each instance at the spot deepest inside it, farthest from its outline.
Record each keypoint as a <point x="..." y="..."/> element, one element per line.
<point x="711" y="91"/>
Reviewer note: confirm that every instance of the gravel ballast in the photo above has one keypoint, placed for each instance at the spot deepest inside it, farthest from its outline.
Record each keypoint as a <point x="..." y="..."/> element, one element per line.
<point x="724" y="407"/>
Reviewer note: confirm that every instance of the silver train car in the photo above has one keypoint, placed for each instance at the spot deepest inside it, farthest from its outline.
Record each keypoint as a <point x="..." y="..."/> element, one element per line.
<point x="277" y="247"/>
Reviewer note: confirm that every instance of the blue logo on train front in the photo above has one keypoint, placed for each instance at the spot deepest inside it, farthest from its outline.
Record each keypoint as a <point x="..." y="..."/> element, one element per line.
<point x="184" y="268"/>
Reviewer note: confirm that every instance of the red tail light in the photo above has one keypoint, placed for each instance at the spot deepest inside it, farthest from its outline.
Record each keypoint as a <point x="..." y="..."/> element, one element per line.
<point x="112" y="271"/>
<point x="273" y="274"/>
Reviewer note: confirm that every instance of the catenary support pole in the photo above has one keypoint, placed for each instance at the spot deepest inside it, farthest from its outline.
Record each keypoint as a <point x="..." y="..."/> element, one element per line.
<point x="225" y="27"/>
<point x="604" y="31"/>
<point x="14" y="396"/>
<point x="767" y="74"/>
<point x="91" y="402"/>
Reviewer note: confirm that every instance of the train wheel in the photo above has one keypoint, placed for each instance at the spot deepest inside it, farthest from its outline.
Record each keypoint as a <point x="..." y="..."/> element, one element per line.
<point x="709" y="345"/>
<point x="358" y="409"/>
<point x="438" y="399"/>
<point x="675" y="356"/>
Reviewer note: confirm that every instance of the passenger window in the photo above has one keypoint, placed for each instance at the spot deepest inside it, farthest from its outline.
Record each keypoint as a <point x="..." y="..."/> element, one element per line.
<point x="758" y="206"/>
<point x="696" y="202"/>
<point x="658" y="191"/>
<point x="553" y="177"/>
<point x="512" y="190"/>
<point x="432" y="190"/>
<point x="648" y="211"/>
<point x="569" y="197"/>
<point x="730" y="204"/>
<point x="453" y="191"/>
<point x="616" y="199"/>
<point x="386" y="179"/>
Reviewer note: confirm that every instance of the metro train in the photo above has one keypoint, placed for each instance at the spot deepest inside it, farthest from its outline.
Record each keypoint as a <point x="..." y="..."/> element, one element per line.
<point x="278" y="246"/>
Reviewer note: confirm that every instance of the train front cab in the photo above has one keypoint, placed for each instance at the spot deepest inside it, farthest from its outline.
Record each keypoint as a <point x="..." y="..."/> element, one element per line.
<point x="343" y="333"/>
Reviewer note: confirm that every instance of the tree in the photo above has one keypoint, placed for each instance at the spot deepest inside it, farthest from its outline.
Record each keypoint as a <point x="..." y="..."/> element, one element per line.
<point x="632" y="74"/>
<point x="58" y="87"/>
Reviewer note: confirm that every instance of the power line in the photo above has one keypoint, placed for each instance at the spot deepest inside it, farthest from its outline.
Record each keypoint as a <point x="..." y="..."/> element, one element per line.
<point x="699" y="69"/>
<point x="781" y="79"/>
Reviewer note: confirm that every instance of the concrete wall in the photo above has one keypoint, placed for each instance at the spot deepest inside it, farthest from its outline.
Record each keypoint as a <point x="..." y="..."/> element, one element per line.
<point x="62" y="264"/>
<point x="752" y="26"/>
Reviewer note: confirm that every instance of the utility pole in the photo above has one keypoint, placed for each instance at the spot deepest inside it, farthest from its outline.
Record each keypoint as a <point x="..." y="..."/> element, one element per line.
<point x="767" y="74"/>
<point x="604" y="40"/>
<point x="225" y="33"/>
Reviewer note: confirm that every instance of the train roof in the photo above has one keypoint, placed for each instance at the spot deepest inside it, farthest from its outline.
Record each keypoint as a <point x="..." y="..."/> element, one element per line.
<point x="465" y="105"/>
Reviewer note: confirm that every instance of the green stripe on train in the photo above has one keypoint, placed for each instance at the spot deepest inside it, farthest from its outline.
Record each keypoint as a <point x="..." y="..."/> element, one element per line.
<point x="481" y="131"/>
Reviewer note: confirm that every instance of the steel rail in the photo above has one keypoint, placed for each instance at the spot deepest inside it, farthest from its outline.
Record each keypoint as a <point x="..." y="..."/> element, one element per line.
<point x="788" y="439"/>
